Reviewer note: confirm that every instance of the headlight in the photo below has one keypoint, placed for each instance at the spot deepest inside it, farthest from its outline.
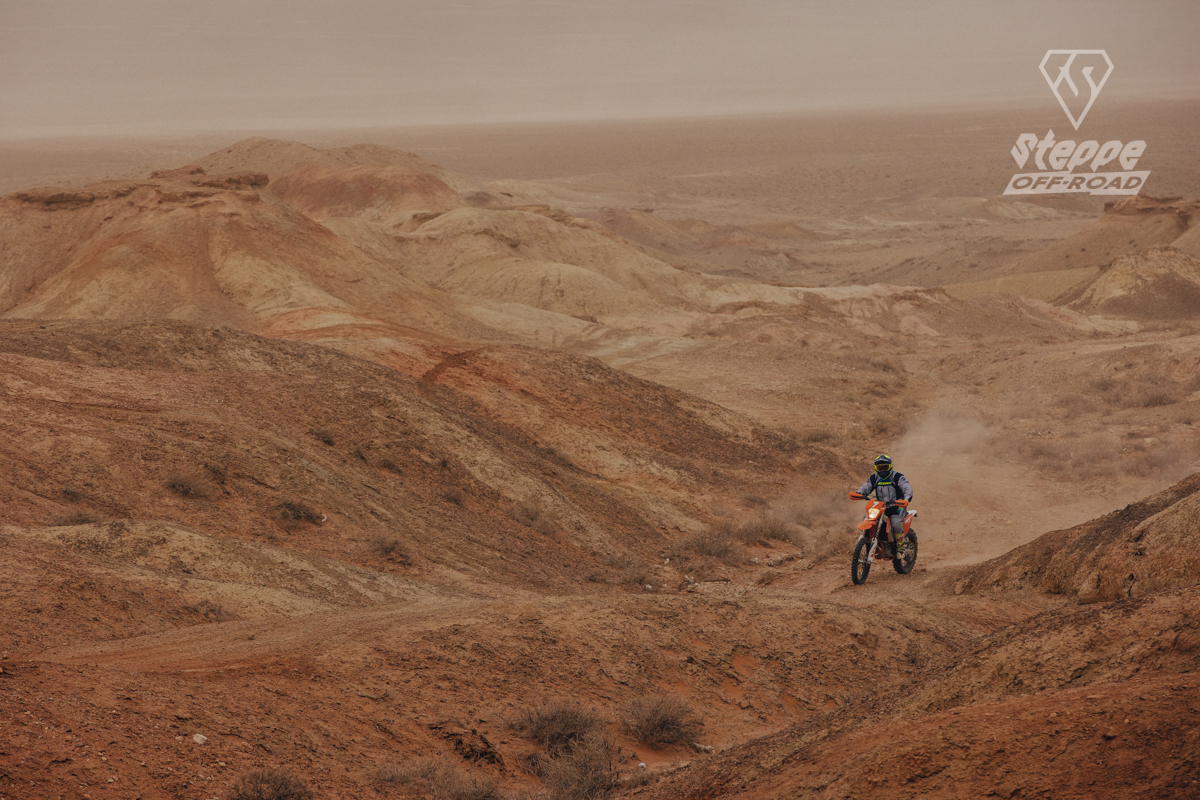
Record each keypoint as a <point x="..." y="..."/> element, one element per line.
<point x="873" y="513"/>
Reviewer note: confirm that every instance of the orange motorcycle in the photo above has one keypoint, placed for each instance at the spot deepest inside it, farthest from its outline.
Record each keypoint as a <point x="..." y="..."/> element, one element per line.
<point x="877" y="540"/>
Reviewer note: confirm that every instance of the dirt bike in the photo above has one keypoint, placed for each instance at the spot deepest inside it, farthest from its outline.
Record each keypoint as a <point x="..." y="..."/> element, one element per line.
<point x="876" y="540"/>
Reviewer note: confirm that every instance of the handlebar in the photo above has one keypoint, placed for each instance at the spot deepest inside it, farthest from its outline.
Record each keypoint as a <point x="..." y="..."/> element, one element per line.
<point x="857" y="496"/>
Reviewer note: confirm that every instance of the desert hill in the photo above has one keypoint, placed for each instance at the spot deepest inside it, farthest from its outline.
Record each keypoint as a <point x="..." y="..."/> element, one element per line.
<point x="1125" y="237"/>
<point x="1157" y="284"/>
<point x="165" y="428"/>
<point x="1143" y="548"/>
<point x="195" y="247"/>
<point x="341" y="461"/>
<point x="280" y="157"/>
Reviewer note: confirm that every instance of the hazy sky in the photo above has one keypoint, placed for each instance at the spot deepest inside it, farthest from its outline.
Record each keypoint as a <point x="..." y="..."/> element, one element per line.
<point x="96" y="64"/>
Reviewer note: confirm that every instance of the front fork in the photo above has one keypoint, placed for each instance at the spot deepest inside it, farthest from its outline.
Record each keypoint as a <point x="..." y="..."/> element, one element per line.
<point x="874" y="540"/>
<point x="873" y="537"/>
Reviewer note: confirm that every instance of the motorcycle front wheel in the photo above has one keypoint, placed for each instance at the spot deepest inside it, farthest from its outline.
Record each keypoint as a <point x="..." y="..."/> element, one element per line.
<point x="859" y="566"/>
<point x="904" y="565"/>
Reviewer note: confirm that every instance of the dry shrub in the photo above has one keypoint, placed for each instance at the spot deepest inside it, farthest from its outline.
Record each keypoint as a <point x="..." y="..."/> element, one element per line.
<point x="824" y="522"/>
<point x="71" y="494"/>
<point x="271" y="786"/>
<point x="1154" y="399"/>
<point x="886" y="426"/>
<point x="325" y="437"/>
<point x="884" y="364"/>
<point x="632" y="570"/>
<point x="720" y="542"/>
<point x="531" y="515"/>
<point x="754" y="501"/>
<point x="1074" y="405"/>
<point x="1144" y="462"/>
<point x="525" y="513"/>
<point x="815" y="436"/>
<point x="391" y="466"/>
<point x="389" y="547"/>
<point x="763" y="528"/>
<point x="1078" y="458"/>
<point x="82" y="518"/>
<point x="587" y="772"/>
<point x="768" y="577"/>
<point x="213" y="612"/>
<point x="638" y="778"/>
<point x="454" y="496"/>
<point x="189" y="486"/>
<point x="217" y="473"/>
<point x="558" y="726"/>
<point x="294" y="513"/>
<point x="880" y="389"/>
<point x="662" y="720"/>
<point x="439" y="777"/>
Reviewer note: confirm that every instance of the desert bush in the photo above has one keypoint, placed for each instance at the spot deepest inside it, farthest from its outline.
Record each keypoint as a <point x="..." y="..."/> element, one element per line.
<point x="720" y="542"/>
<point x="71" y="494"/>
<point x="454" y="496"/>
<point x="525" y="513"/>
<point x="325" y="437"/>
<point x="391" y="466"/>
<point x="558" y="726"/>
<point x="81" y="518"/>
<point x="886" y="425"/>
<point x="1147" y="461"/>
<point x="389" y="547"/>
<point x="294" y="513"/>
<point x="884" y="364"/>
<point x="1070" y="458"/>
<point x="754" y="501"/>
<point x="763" y="528"/>
<point x="439" y="777"/>
<point x="269" y="785"/>
<point x="631" y="569"/>
<point x="662" y="720"/>
<point x="587" y="772"/>
<point x="188" y="485"/>
<point x="217" y="472"/>
<point x="814" y="436"/>
<point x="1154" y="399"/>
<point x="638" y="778"/>
<point x="359" y="454"/>
<point x="1147" y="398"/>
<point x="213" y="612"/>
<point x="822" y="522"/>
<point x="768" y="577"/>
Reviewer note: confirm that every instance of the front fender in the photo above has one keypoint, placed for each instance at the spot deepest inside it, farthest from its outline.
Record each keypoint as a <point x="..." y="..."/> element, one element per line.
<point x="866" y="525"/>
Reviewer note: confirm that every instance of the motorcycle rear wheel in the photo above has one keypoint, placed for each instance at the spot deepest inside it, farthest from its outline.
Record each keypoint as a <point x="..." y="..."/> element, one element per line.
<point x="905" y="565"/>
<point x="859" y="568"/>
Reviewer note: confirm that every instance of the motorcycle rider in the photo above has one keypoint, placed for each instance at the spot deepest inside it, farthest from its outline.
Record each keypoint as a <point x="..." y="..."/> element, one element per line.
<point x="889" y="486"/>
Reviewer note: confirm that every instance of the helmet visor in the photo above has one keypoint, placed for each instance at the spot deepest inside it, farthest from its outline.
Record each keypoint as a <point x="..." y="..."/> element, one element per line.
<point x="883" y="467"/>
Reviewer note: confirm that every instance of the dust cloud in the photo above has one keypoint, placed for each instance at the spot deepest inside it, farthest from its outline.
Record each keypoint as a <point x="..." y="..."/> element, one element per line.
<point x="985" y="486"/>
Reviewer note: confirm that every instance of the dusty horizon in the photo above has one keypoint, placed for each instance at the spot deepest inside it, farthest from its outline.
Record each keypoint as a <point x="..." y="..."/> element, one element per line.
<point x="71" y="68"/>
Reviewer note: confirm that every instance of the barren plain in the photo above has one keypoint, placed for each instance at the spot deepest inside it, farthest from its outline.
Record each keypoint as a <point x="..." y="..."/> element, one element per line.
<point x="347" y="457"/>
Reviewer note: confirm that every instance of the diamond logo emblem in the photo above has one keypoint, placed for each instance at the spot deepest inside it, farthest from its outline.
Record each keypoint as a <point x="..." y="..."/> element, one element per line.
<point x="1071" y="71"/>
